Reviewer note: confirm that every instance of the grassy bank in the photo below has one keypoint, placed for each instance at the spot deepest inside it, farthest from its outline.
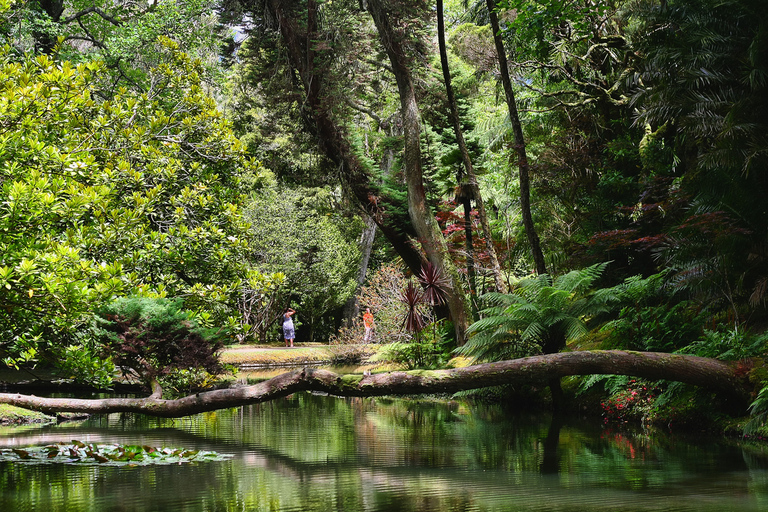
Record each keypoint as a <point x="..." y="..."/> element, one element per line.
<point x="10" y="415"/>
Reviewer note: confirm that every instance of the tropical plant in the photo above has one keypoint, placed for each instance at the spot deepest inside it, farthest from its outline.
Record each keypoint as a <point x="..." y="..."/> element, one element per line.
<point x="412" y="297"/>
<point x="540" y="314"/>
<point x="704" y="75"/>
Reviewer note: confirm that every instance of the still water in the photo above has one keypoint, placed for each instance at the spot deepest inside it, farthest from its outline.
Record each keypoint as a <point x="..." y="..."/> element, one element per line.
<point x="318" y="453"/>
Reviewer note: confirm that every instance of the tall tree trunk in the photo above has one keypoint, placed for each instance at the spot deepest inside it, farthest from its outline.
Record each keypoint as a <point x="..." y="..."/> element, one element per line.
<point x="471" y="275"/>
<point x="424" y="222"/>
<point x="352" y="307"/>
<point x="522" y="157"/>
<point x="500" y="284"/>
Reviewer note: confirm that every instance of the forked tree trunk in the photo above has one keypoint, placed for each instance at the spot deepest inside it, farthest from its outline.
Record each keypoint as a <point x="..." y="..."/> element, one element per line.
<point x="424" y="223"/>
<point x="699" y="371"/>
<point x="332" y="136"/>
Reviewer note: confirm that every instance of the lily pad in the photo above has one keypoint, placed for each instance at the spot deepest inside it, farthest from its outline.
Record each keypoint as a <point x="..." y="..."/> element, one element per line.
<point x="80" y="453"/>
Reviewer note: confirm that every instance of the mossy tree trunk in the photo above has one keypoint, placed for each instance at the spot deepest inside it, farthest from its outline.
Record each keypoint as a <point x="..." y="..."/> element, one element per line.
<point x="700" y="371"/>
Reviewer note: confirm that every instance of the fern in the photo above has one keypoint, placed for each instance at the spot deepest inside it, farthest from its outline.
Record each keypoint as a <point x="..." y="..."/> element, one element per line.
<point x="541" y="314"/>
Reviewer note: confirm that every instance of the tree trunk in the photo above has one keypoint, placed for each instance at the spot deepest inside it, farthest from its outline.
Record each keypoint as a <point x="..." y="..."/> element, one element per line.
<point x="501" y="286"/>
<point x="352" y="307"/>
<point x="699" y="371"/>
<point x="522" y="157"/>
<point x="424" y="223"/>
<point x="331" y="135"/>
<point x="471" y="275"/>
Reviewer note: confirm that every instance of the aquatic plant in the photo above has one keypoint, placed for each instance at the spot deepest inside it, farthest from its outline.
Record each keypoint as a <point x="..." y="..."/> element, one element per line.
<point x="78" y="452"/>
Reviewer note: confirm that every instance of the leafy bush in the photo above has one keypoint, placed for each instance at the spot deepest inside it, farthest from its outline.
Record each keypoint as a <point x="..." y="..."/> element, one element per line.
<point x="661" y="328"/>
<point x="728" y="345"/>
<point x="651" y="319"/>
<point x="633" y="403"/>
<point x="429" y="349"/>
<point x="153" y="339"/>
<point x="84" y="363"/>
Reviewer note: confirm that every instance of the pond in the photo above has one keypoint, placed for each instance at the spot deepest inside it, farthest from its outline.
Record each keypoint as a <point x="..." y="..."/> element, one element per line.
<point x="317" y="453"/>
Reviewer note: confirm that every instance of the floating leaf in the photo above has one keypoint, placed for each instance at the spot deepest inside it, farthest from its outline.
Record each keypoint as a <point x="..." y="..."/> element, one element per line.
<point x="114" y="455"/>
<point x="22" y="453"/>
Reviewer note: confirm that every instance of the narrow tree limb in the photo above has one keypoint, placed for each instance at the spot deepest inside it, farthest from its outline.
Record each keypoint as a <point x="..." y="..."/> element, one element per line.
<point x="88" y="10"/>
<point x="700" y="371"/>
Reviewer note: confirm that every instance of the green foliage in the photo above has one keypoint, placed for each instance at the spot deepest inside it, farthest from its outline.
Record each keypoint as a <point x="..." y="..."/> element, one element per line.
<point x="540" y="314"/>
<point x="427" y="350"/>
<point x="759" y="412"/>
<point x="633" y="403"/>
<point x="663" y="328"/>
<point x="85" y="362"/>
<point x="651" y="319"/>
<point x="185" y="381"/>
<point x="705" y="70"/>
<point x="728" y="345"/>
<point x="544" y="24"/>
<point x="684" y="406"/>
<point x="140" y="193"/>
<point x="155" y="338"/>
<point x="259" y="304"/>
<point x="122" y="34"/>
<point x="303" y="234"/>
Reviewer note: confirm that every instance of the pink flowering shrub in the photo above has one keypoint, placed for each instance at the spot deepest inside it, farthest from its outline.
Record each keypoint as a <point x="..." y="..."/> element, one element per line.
<point x="633" y="404"/>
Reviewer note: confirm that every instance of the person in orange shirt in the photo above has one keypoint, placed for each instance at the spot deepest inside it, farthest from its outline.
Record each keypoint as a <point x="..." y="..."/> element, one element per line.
<point x="368" y="324"/>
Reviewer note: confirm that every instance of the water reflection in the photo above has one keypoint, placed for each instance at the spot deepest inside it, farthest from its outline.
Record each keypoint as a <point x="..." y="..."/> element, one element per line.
<point x="315" y="453"/>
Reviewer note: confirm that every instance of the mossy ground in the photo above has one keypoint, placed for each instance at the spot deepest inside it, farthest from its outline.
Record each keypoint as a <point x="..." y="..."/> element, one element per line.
<point x="10" y="415"/>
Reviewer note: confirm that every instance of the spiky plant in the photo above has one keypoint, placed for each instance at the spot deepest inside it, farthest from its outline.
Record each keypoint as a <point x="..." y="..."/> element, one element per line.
<point x="541" y="315"/>
<point x="412" y="297"/>
<point x="434" y="284"/>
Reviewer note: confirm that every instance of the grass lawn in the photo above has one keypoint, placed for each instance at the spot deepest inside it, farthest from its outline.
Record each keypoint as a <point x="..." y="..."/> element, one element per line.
<point x="276" y="355"/>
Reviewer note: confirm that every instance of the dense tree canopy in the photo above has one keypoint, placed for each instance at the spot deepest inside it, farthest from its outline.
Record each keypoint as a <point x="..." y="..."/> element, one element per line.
<point x="508" y="145"/>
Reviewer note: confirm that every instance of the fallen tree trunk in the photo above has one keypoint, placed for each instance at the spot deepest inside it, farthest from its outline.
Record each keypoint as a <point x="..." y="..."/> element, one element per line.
<point x="700" y="371"/>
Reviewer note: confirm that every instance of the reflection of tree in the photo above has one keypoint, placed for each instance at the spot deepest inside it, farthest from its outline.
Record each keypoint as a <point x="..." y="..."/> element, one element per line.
<point x="313" y="452"/>
<point x="550" y="462"/>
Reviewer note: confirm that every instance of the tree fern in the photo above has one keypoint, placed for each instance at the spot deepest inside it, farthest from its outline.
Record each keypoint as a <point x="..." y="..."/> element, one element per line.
<point x="540" y="315"/>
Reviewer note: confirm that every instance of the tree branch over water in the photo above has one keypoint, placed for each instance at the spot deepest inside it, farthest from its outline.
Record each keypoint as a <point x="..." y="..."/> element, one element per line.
<point x="700" y="371"/>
